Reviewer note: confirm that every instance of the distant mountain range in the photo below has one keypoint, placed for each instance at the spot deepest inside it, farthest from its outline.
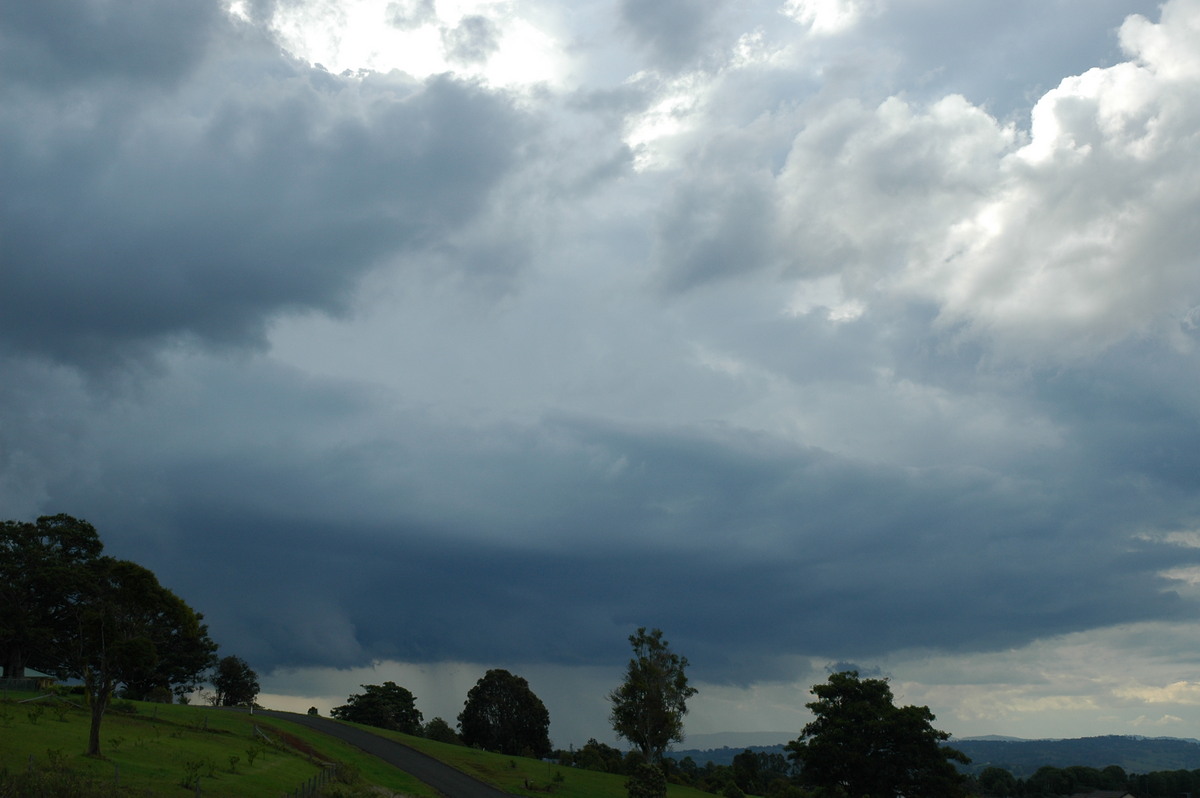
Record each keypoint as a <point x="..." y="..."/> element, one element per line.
<point x="1020" y="757"/>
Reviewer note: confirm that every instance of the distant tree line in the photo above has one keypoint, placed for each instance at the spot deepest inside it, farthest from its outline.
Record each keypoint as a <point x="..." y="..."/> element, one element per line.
<point x="1050" y="781"/>
<point x="752" y="772"/>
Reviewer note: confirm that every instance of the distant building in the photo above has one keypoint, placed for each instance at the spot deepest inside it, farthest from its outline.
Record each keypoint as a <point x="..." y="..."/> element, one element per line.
<point x="32" y="681"/>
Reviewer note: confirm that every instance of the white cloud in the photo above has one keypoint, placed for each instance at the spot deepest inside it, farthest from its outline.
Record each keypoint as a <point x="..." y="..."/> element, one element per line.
<point x="1062" y="242"/>
<point x="828" y="16"/>
<point x="1182" y="693"/>
<point x="1087" y="239"/>
<point x="423" y="39"/>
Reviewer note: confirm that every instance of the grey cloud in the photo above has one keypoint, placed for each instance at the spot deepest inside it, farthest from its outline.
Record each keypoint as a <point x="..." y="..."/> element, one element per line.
<point x="236" y="198"/>
<point x="749" y="550"/>
<point x="674" y="32"/>
<point x="719" y="226"/>
<point x="472" y="41"/>
<point x="411" y="14"/>
<point x="509" y="447"/>
<point x="81" y="42"/>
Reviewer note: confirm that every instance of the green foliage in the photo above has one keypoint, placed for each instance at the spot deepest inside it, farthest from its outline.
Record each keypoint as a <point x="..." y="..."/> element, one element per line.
<point x="438" y="729"/>
<point x="386" y="706"/>
<point x="599" y="756"/>
<point x="860" y="744"/>
<point x="40" y="572"/>
<point x="997" y="782"/>
<point x="502" y="714"/>
<point x="236" y="682"/>
<point x="648" y="707"/>
<point x="647" y="781"/>
<point x="106" y="622"/>
<point x="753" y="771"/>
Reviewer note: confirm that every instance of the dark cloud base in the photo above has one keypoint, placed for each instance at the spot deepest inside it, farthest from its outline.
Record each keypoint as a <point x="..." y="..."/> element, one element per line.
<point x="768" y="555"/>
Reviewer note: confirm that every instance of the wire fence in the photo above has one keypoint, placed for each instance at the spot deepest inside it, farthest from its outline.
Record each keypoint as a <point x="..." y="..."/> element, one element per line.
<point x="314" y="785"/>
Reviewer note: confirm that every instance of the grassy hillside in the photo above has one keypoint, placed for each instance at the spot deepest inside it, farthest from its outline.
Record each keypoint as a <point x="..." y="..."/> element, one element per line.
<point x="530" y="777"/>
<point x="155" y="749"/>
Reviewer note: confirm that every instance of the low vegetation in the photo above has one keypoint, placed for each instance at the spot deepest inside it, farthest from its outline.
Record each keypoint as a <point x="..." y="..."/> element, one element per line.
<point x="527" y="776"/>
<point x="161" y="749"/>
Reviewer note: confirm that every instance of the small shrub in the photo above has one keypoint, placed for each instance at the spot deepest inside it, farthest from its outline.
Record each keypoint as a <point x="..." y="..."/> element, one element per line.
<point x="647" y="781"/>
<point x="55" y="759"/>
<point x="191" y="774"/>
<point x="233" y="762"/>
<point x="35" y="713"/>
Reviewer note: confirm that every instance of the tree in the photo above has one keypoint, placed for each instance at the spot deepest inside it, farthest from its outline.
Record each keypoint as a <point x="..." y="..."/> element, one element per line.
<point x="648" y="708"/>
<point x="41" y="566"/>
<point x="76" y="614"/>
<point x="439" y="730"/>
<point x="126" y="628"/>
<point x="236" y="682"/>
<point x="860" y="744"/>
<point x="502" y="714"/>
<point x="997" y="782"/>
<point x="388" y="706"/>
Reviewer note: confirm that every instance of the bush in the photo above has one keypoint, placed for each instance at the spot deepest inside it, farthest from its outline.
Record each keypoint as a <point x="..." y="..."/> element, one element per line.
<point x="439" y="730"/>
<point x="732" y="791"/>
<point x="647" y="781"/>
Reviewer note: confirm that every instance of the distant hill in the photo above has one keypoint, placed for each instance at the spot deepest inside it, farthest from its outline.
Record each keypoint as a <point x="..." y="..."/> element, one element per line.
<point x="1022" y="758"/>
<point x="723" y="755"/>
<point x="739" y="740"/>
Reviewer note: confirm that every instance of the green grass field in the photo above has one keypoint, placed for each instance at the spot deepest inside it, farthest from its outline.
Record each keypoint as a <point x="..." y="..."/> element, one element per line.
<point x="530" y="777"/>
<point x="157" y="749"/>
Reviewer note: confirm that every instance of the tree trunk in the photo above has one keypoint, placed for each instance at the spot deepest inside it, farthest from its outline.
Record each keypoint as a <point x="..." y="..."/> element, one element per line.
<point x="99" y="699"/>
<point x="13" y="664"/>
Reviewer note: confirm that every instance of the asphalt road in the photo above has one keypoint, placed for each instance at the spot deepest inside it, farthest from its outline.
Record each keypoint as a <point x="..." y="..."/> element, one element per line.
<point x="443" y="778"/>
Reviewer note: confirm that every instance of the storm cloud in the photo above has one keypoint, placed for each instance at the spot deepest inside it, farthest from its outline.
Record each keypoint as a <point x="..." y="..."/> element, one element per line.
<point x="800" y="330"/>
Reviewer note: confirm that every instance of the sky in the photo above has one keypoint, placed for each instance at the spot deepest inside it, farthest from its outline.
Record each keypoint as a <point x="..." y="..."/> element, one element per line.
<point x="407" y="339"/>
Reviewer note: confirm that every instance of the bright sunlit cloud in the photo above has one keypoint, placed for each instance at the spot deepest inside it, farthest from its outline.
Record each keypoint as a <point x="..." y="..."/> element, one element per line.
<point x="483" y="39"/>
